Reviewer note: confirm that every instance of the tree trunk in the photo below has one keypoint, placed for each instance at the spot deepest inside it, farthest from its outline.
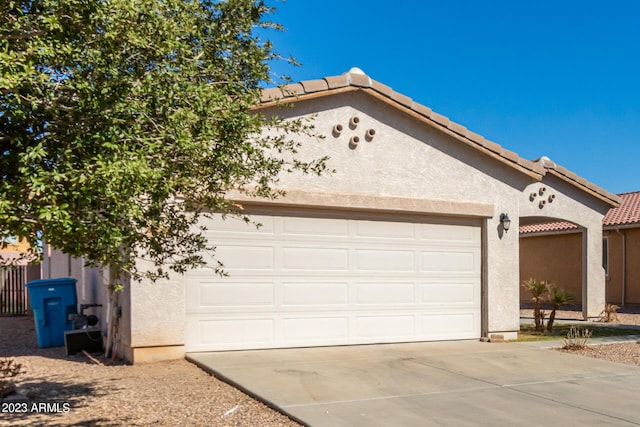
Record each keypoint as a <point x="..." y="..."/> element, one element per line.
<point x="552" y="318"/>
<point x="111" y="322"/>
<point x="537" y="316"/>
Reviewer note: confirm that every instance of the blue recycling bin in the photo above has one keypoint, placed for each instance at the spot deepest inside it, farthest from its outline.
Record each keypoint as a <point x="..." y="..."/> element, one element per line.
<point x="52" y="301"/>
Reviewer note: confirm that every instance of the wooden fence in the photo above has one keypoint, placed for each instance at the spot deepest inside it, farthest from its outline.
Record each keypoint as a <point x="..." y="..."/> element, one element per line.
<point x="13" y="294"/>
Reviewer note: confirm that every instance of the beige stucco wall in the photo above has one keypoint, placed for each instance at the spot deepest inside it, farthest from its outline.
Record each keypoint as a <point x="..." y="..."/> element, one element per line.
<point x="408" y="161"/>
<point x="405" y="159"/>
<point x="564" y="202"/>
<point x="155" y="313"/>
<point x="554" y="258"/>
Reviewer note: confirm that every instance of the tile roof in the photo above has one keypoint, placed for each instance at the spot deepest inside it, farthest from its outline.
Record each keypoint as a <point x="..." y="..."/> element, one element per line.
<point x="356" y="80"/>
<point x="627" y="214"/>
<point x="547" y="227"/>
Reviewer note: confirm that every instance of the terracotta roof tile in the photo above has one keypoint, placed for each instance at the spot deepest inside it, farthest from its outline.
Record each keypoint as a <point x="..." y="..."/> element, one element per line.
<point x="357" y="80"/>
<point x="510" y="155"/>
<point x="334" y="82"/>
<point x="459" y="129"/>
<point x="574" y="179"/>
<point x="271" y="94"/>
<point x="361" y="80"/>
<point x="294" y="89"/>
<point x="439" y="118"/>
<point x="475" y="137"/>
<point x="311" y="86"/>
<point x="383" y="89"/>
<point x="490" y="145"/>
<point x="627" y="213"/>
<point x="400" y="98"/>
<point x="547" y="227"/>
<point x="421" y="109"/>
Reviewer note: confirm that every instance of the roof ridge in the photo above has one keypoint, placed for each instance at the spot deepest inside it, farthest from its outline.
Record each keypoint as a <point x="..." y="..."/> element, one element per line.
<point x="356" y="79"/>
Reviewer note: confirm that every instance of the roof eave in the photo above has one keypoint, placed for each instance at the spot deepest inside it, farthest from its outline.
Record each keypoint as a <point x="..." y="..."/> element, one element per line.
<point x="425" y="115"/>
<point x="597" y="192"/>
<point x="621" y="226"/>
<point x="348" y="82"/>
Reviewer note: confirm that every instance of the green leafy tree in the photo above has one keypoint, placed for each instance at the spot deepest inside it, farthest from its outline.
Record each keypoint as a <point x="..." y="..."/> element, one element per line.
<point x="538" y="290"/>
<point x="122" y="122"/>
<point x="557" y="297"/>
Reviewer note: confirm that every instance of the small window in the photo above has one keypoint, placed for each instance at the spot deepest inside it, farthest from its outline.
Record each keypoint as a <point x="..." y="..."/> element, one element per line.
<point x="605" y="255"/>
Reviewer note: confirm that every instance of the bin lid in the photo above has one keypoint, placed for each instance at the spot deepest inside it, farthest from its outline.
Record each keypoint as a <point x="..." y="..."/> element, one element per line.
<point x="51" y="282"/>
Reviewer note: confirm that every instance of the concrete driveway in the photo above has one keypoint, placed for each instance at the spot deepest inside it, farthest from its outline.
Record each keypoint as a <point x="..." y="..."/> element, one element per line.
<point x="442" y="383"/>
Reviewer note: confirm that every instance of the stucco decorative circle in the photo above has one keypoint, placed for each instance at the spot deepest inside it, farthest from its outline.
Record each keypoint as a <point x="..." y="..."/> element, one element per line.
<point x="543" y="199"/>
<point x="354" y="140"/>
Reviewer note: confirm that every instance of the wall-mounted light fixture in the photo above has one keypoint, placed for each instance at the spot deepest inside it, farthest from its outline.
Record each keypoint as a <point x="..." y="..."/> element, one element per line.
<point x="505" y="221"/>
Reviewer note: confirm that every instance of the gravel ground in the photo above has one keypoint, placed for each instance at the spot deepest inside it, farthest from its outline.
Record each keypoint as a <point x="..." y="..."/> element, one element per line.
<point x="174" y="393"/>
<point x="165" y="393"/>
<point x="628" y="353"/>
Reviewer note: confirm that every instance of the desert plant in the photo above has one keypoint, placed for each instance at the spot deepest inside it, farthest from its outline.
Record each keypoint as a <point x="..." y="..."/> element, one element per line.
<point x="557" y="297"/>
<point x="576" y="339"/>
<point x="609" y="314"/>
<point x="538" y="290"/>
<point x="8" y="369"/>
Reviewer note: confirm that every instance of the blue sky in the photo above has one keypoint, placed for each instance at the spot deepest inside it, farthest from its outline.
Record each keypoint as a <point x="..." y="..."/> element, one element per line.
<point x="554" y="78"/>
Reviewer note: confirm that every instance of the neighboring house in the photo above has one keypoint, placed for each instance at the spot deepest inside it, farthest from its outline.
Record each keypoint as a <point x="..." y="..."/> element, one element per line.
<point x="552" y="252"/>
<point x="405" y="242"/>
<point x="16" y="269"/>
<point x="13" y="251"/>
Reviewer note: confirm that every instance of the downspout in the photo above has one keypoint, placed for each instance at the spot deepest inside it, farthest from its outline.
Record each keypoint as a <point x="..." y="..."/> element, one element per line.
<point x="624" y="266"/>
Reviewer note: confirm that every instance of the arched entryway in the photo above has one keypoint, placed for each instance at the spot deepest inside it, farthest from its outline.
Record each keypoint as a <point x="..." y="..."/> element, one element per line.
<point x="552" y="250"/>
<point x="569" y="245"/>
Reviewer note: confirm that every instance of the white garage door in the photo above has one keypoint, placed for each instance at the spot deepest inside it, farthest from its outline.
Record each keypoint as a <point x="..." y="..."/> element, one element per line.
<point x="310" y="280"/>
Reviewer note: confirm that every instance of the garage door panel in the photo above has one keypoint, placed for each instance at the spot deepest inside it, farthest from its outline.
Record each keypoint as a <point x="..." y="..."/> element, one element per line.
<point x="451" y="292"/>
<point x="310" y="294"/>
<point x="245" y="257"/>
<point x="385" y="327"/>
<point x="450" y="261"/>
<point x="385" y="260"/>
<point x="217" y="225"/>
<point x="384" y="294"/>
<point x="318" y="258"/>
<point x="236" y="294"/>
<point x="229" y="332"/>
<point x="312" y="281"/>
<point x="449" y="233"/>
<point x="448" y="325"/>
<point x="314" y="227"/>
<point x="385" y="230"/>
<point x="311" y="330"/>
